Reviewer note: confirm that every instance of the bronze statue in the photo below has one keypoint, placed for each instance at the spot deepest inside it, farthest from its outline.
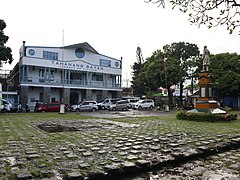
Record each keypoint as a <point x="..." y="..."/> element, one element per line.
<point x="206" y="58"/>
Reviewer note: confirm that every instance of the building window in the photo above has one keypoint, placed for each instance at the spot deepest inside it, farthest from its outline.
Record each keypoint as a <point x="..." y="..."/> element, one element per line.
<point x="50" y="55"/>
<point x="31" y="52"/>
<point x="52" y="73"/>
<point x="117" y="64"/>
<point x="41" y="73"/>
<point x="97" y="77"/>
<point x="79" y="53"/>
<point x="105" y="63"/>
<point x="41" y="97"/>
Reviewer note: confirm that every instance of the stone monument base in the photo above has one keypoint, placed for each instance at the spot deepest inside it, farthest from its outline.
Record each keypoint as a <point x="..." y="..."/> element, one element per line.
<point x="206" y="105"/>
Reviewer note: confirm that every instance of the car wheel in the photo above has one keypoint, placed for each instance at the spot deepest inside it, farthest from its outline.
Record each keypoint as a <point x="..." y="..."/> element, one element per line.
<point x="140" y="107"/>
<point x="77" y="110"/>
<point x="103" y="107"/>
<point x="93" y="109"/>
<point x="151" y="107"/>
<point x="127" y="108"/>
<point x="43" y="111"/>
<point x="114" y="109"/>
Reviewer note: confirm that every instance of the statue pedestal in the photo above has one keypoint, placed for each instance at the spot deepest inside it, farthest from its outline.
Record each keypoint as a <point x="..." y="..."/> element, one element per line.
<point x="206" y="100"/>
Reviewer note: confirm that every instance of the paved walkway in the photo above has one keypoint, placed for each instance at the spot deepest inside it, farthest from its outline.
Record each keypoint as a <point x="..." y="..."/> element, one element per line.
<point x="221" y="166"/>
<point x="101" y="149"/>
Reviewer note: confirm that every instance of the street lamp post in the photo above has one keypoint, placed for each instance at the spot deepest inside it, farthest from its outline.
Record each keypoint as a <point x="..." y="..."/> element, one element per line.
<point x="62" y="106"/>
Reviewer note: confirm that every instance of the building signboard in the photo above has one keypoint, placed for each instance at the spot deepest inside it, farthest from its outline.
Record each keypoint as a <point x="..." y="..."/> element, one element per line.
<point x="73" y="65"/>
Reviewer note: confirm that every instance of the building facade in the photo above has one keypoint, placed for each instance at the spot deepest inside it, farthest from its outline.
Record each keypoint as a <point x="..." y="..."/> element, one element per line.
<point x="69" y="74"/>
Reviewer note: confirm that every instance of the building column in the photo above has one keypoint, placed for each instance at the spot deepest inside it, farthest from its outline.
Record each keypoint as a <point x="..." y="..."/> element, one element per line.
<point x="20" y="74"/>
<point x="66" y="96"/>
<point x="27" y="68"/>
<point x="89" y="78"/>
<point x="105" y="84"/>
<point x="23" y="95"/>
<point x="104" y="94"/>
<point x="89" y="94"/>
<point x="119" y="94"/>
<point x="45" y="74"/>
<point x="46" y="94"/>
<point x="120" y="81"/>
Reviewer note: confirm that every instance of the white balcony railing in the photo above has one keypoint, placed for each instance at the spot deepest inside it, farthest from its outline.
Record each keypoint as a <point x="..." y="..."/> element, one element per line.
<point x="71" y="82"/>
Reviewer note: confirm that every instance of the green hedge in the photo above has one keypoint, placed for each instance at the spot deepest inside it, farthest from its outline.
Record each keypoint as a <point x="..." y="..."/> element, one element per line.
<point x="206" y="117"/>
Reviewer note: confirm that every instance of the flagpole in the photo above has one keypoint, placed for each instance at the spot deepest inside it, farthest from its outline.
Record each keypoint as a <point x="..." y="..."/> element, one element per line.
<point x="165" y="70"/>
<point x="62" y="106"/>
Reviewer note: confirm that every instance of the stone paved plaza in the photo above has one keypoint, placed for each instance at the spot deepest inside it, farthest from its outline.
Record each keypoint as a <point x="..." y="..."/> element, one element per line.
<point x="71" y="146"/>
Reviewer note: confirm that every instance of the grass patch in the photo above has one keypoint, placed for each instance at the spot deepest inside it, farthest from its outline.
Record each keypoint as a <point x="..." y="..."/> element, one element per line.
<point x="19" y="130"/>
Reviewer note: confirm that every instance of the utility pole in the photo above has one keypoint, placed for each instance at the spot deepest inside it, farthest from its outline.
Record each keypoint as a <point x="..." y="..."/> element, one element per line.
<point x="62" y="106"/>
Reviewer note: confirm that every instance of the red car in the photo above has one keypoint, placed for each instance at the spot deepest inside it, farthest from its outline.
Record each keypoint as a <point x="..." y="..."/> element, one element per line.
<point x="50" y="107"/>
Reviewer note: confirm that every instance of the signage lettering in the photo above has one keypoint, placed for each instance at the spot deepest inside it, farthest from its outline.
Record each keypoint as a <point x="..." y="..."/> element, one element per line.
<point x="77" y="66"/>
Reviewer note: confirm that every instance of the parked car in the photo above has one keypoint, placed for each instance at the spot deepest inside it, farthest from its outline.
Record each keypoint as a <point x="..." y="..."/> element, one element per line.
<point x="87" y="106"/>
<point x="75" y="107"/>
<point x="145" y="103"/>
<point x="100" y="104"/>
<point x="107" y="103"/>
<point x="6" y="106"/>
<point x="131" y="102"/>
<point x="50" y="107"/>
<point x="119" y="105"/>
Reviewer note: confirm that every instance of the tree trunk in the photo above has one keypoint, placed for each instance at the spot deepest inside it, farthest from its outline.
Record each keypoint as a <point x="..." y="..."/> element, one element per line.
<point x="170" y="99"/>
<point x="192" y="84"/>
<point x="181" y="92"/>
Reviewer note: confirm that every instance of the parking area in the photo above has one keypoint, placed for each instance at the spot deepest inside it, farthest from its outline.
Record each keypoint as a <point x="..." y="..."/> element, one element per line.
<point x="128" y="113"/>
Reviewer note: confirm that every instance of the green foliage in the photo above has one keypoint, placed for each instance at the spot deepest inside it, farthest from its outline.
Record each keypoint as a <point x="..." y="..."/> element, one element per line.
<point x="137" y="80"/>
<point x="207" y="13"/>
<point x="205" y="117"/>
<point x="181" y="58"/>
<point x="154" y="74"/>
<point x="225" y="69"/>
<point x="187" y="56"/>
<point x="5" y="52"/>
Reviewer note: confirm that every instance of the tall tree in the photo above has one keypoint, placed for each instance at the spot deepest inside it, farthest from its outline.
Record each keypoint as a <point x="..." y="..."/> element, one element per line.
<point x="209" y="13"/>
<point x="5" y="52"/>
<point x="225" y="69"/>
<point x="186" y="55"/>
<point x="137" y="82"/>
<point x="153" y="73"/>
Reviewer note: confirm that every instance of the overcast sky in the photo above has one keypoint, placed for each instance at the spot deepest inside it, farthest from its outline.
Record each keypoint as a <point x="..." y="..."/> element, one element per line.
<point x="113" y="27"/>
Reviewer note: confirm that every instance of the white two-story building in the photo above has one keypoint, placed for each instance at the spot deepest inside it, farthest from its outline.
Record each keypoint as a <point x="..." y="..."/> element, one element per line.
<point x="68" y="74"/>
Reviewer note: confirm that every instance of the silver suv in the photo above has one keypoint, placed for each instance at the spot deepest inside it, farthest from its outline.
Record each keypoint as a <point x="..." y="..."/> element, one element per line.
<point x="144" y="104"/>
<point x="85" y="106"/>
<point x="119" y="105"/>
<point x="107" y="103"/>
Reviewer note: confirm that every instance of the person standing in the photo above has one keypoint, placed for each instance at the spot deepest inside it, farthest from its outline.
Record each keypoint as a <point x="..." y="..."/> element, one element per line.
<point x="27" y="108"/>
<point x="36" y="106"/>
<point x="19" y="107"/>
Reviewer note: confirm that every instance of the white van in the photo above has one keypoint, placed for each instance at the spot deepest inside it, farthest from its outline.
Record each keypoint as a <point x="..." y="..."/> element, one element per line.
<point x="132" y="102"/>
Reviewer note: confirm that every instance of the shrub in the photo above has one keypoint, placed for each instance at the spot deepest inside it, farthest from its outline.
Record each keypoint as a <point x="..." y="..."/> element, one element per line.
<point x="205" y="117"/>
